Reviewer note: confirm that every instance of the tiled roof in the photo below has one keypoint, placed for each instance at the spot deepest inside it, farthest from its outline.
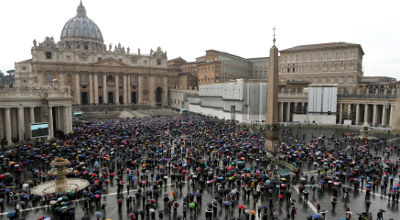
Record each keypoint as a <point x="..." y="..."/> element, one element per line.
<point x="321" y="46"/>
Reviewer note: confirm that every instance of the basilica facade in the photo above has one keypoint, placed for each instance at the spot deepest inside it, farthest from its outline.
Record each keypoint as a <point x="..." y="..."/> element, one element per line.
<point x="95" y="72"/>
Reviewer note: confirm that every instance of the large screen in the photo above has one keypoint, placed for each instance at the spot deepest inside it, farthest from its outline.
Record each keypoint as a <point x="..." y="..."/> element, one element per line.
<point x="39" y="130"/>
<point x="77" y="113"/>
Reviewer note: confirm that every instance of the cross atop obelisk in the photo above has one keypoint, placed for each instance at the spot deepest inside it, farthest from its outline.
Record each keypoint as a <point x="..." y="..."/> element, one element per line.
<point x="274" y="40"/>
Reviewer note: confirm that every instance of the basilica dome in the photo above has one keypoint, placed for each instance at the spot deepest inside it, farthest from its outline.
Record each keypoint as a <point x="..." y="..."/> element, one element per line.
<point x="81" y="28"/>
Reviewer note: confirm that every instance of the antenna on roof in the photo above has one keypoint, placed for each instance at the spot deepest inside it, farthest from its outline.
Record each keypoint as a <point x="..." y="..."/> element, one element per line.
<point x="274" y="39"/>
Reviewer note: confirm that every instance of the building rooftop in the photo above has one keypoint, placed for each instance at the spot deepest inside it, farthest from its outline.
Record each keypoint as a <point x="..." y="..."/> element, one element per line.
<point x="322" y="46"/>
<point x="225" y="53"/>
<point x="258" y="58"/>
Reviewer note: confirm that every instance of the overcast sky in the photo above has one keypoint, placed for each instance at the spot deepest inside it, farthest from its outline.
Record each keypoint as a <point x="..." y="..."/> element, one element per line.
<point x="187" y="28"/>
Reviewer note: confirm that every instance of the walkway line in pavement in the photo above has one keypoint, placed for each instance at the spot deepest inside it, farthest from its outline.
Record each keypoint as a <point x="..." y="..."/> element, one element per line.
<point x="312" y="207"/>
<point x="362" y="190"/>
<point x="77" y="200"/>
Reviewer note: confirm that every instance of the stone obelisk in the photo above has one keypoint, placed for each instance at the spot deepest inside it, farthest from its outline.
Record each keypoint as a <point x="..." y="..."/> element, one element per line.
<point x="272" y="99"/>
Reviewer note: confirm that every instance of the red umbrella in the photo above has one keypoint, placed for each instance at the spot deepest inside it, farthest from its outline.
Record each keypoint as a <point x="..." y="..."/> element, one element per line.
<point x="122" y="182"/>
<point x="240" y="206"/>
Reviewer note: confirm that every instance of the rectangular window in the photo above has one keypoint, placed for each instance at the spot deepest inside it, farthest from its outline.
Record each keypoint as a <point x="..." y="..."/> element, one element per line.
<point x="83" y="78"/>
<point x="158" y="62"/>
<point x="350" y="79"/>
<point x="48" y="55"/>
<point x="49" y="77"/>
<point x="341" y="79"/>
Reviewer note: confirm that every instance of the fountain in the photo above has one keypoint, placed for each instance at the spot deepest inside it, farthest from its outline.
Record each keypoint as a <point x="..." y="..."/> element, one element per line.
<point x="365" y="130"/>
<point x="61" y="183"/>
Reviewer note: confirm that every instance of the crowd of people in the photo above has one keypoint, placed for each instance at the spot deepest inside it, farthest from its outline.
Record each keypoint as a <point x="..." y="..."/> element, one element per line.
<point x="197" y="167"/>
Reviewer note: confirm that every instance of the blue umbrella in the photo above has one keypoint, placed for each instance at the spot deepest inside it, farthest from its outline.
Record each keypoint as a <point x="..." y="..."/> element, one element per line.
<point x="316" y="216"/>
<point x="10" y="214"/>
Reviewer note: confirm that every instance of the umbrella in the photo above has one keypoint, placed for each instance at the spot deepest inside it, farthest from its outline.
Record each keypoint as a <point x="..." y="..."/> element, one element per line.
<point x="240" y="206"/>
<point x="227" y="203"/>
<point x="98" y="214"/>
<point x="85" y="217"/>
<point x="192" y="205"/>
<point x="316" y="216"/>
<point x="324" y="211"/>
<point x="263" y="207"/>
<point x="10" y="214"/>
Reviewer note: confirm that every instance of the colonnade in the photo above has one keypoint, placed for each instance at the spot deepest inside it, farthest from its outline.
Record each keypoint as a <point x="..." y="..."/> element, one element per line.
<point x="122" y="88"/>
<point x="376" y="114"/>
<point x="286" y="109"/>
<point x="15" y="121"/>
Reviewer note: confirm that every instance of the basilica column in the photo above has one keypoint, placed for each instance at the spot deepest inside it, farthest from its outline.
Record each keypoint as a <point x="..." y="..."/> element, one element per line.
<point x="51" y="122"/>
<point x="152" y="94"/>
<point x="2" y="127"/>
<point x="375" y="115"/>
<point x="165" y="92"/>
<point x="105" y="99"/>
<point x="349" y="112"/>
<point x="140" y="89"/>
<point x="77" y="89"/>
<point x="21" y="124"/>
<point x="7" y="118"/>
<point x="281" y="111"/>
<point x="341" y="113"/>
<point x="125" y="85"/>
<point x="384" y="114"/>
<point x="96" y="88"/>
<point x="116" y="89"/>
<point x="392" y="113"/>
<point x="366" y="113"/>
<point x="65" y="119"/>
<point x="357" y="114"/>
<point x="69" y="110"/>
<point x="91" y="95"/>
<point x="288" y="112"/>
<point x="32" y="115"/>
<point x="71" y="124"/>
<point x="129" y="89"/>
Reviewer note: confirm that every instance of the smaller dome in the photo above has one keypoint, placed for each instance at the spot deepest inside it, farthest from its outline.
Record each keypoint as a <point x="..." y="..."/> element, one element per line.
<point x="81" y="27"/>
